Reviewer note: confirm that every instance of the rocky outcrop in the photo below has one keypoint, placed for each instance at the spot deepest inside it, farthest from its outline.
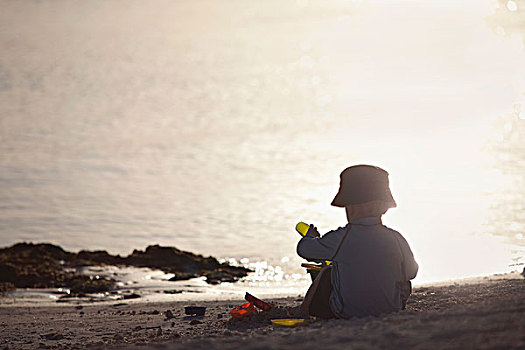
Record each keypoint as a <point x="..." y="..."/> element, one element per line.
<point x="185" y="265"/>
<point x="27" y="265"/>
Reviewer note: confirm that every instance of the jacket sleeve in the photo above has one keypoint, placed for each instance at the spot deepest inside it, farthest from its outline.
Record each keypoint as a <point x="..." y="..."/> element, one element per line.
<point x="320" y="248"/>
<point x="411" y="266"/>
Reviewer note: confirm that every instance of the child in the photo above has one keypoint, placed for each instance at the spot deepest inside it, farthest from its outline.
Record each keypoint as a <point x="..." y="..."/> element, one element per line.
<point x="372" y="265"/>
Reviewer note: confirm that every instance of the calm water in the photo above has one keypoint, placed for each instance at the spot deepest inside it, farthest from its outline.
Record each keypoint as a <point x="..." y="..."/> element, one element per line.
<point x="215" y="126"/>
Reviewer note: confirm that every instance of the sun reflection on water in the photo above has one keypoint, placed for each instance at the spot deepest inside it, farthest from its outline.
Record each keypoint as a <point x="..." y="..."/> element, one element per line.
<point x="196" y="138"/>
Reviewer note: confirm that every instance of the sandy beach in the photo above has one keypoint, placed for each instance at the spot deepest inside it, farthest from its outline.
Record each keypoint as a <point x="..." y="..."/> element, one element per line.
<point x="486" y="313"/>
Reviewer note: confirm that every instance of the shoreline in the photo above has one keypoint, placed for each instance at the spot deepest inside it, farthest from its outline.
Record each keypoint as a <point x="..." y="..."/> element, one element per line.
<point x="193" y="296"/>
<point x="486" y="312"/>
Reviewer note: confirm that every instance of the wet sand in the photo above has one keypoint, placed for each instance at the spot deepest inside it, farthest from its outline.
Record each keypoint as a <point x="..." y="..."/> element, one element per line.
<point x="482" y="314"/>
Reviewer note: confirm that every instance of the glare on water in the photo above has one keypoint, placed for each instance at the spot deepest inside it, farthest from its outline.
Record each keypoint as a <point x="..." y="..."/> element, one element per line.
<point x="216" y="127"/>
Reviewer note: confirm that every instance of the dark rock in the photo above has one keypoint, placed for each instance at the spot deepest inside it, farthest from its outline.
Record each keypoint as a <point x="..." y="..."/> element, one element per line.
<point x="219" y="316"/>
<point x="194" y="322"/>
<point x="79" y="307"/>
<point x="130" y="296"/>
<point x="98" y="257"/>
<point x="27" y="265"/>
<point x="8" y="272"/>
<point x="6" y="287"/>
<point x="195" y="310"/>
<point x="52" y="336"/>
<point x="184" y="265"/>
<point x="169" y="315"/>
<point x="81" y="285"/>
<point x="180" y="276"/>
<point x="174" y="291"/>
<point x="222" y="275"/>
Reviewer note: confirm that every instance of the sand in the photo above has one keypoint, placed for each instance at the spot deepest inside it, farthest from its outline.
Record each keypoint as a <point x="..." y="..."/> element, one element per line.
<point x="484" y="314"/>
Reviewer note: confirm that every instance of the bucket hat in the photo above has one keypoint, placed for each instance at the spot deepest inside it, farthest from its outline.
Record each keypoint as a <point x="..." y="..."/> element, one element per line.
<point x="361" y="184"/>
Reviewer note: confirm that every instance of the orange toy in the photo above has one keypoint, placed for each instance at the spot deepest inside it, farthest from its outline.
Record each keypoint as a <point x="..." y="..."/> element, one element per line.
<point x="243" y="310"/>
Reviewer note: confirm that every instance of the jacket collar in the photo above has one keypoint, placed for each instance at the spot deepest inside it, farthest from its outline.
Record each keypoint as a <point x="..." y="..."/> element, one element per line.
<point x="367" y="221"/>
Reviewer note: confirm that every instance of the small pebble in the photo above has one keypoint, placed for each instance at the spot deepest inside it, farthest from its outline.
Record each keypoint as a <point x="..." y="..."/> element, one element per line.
<point x="169" y="315"/>
<point x="130" y="296"/>
<point x="52" y="336"/>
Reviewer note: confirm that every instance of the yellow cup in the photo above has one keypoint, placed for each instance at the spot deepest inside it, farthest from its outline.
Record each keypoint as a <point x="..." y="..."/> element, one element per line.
<point x="302" y="228"/>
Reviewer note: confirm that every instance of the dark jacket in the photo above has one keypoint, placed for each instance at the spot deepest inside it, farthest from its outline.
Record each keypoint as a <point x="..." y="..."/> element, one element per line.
<point x="369" y="268"/>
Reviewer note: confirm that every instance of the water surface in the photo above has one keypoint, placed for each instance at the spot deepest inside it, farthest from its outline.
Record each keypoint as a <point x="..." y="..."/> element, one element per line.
<point x="216" y="126"/>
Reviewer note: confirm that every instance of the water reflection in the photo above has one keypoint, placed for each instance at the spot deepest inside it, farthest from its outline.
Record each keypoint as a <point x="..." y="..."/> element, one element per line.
<point x="509" y="140"/>
<point x="183" y="130"/>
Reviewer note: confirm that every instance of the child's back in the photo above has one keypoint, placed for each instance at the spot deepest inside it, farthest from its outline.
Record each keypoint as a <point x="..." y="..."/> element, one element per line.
<point x="372" y="264"/>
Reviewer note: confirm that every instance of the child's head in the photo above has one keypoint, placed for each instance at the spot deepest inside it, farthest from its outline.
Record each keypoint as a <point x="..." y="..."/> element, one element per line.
<point x="364" y="192"/>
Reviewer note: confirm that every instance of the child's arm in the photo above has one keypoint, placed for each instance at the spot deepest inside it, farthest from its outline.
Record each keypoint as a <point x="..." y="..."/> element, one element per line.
<point x="323" y="248"/>
<point x="411" y="266"/>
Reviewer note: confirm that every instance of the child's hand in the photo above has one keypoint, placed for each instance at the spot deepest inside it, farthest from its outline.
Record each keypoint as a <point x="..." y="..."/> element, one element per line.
<point x="312" y="232"/>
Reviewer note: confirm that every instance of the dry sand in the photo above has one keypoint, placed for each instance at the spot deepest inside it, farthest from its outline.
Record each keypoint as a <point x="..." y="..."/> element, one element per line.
<point x="487" y="314"/>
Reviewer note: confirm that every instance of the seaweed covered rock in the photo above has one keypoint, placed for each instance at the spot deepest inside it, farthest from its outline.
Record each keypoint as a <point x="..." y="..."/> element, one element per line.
<point x="97" y="257"/>
<point x="27" y="265"/>
<point x="185" y="265"/>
